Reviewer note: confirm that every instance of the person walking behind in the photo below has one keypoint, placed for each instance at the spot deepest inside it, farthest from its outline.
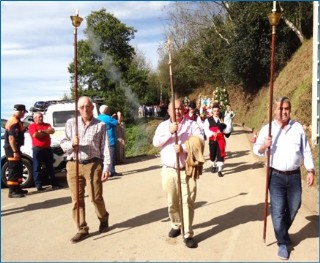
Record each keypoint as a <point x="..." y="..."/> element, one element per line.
<point x="121" y="142"/>
<point x="193" y="114"/>
<point x="94" y="165"/>
<point x="41" y="151"/>
<point x="111" y="124"/>
<point x="289" y="148"/>
<point x="215" y="130"/>
<point x="13" y="140"/>
<point x="164" y="138"/>
<point x="228" y="119"/>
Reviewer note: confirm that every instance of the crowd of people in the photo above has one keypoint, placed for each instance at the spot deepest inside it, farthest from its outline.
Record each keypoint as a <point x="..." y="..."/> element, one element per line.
<point x="152" y="110"/>
<point x="181" y="139"/>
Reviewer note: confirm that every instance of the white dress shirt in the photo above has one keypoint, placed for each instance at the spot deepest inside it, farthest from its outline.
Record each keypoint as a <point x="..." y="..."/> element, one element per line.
<point x="290" y="148"/>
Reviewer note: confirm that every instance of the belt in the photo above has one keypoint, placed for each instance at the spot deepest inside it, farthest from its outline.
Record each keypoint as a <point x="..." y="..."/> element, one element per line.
<point x="286" y="172"/>
<point x="87" y="161"/>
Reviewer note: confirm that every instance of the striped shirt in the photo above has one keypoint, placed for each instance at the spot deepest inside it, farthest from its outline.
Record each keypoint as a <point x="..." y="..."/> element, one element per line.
<point x="93" y="141"/>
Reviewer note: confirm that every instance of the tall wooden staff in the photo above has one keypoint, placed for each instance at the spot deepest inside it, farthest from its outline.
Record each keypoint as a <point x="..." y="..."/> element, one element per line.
<point x="76" y="21"/>
<point x="168" y="46"/>
<point x="274" y="19"/>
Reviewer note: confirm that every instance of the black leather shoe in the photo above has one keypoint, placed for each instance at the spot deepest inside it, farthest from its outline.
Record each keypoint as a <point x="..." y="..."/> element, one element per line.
<point x="174" y="232"/>
<point x="40" y="189"/>
<point x="21" y="191"/>
<point x="190" y="242"/>
<point x="213" y="169"/>
<point x="16" y="195"/>
<point x="79" y="237"/>
<point x="220" y="174"/>
<point x="103" y="227"/>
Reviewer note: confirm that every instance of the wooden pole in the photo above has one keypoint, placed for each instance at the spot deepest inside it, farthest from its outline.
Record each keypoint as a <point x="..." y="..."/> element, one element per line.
<point x="76" y="22"/>
<point x="274" y="20"/>
<point x="176" y="140"/>
<point x="76" y="149"/>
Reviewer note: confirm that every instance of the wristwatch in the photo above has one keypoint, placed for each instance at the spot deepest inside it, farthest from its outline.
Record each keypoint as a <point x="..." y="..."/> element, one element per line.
<point x="311" y="171"/>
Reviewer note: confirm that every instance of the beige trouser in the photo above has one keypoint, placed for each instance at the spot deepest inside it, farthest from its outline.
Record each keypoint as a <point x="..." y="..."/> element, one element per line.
<point x="90" y="176"/>
<point x="188" y="190"/>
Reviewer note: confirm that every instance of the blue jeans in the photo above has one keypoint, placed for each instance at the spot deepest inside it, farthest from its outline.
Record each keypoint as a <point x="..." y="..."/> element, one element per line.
<point x="285" y="199"/>
<point x="112" y="158"/>
<point x="40" y="156"/>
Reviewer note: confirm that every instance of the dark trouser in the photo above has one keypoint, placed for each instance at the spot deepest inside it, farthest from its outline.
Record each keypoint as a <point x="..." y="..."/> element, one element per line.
<point x="112" y="149"/>
<point x="215" y="154"/>
<point x="40" y="156"/>
<point x="15" y="169"/>
<point x="285" y="199"/>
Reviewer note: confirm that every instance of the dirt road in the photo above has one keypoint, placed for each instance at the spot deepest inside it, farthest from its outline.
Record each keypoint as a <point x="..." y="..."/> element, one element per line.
<point x="228" y="218"/>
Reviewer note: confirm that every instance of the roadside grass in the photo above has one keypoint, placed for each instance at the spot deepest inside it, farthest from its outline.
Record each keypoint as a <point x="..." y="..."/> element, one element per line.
<point x="139" y="137"/>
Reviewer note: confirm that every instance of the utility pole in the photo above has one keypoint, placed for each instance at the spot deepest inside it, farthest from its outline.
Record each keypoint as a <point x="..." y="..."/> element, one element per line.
<point x="315" y="77"/>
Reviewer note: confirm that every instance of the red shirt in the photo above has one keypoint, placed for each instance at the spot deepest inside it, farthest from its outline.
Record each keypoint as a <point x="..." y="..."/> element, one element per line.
<point x="43" y="142"/>
<point x="193" y="117"/>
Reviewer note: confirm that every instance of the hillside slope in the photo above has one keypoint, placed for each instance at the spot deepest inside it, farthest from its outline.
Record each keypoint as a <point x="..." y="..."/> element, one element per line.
<point x="294" y="81"/>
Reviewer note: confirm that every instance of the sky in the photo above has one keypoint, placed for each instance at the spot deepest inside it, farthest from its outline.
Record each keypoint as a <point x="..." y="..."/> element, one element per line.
<point x="37" y="44"/>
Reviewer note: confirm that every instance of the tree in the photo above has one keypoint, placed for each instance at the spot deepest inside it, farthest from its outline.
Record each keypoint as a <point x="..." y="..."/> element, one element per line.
<point x="107" y="64"/>
<point x="105" y="56"/>
<point x="229" y="42"/>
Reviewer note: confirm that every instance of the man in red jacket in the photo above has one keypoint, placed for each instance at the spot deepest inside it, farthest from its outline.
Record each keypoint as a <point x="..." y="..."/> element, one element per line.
<point x="41" y="150"/>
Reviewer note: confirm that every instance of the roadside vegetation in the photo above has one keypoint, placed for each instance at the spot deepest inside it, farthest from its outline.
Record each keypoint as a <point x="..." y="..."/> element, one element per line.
<point x="139" y="137"/>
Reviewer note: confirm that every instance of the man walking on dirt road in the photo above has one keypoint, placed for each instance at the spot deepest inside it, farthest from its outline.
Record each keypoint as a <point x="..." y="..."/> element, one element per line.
<point x="289" y="148"/>
<point x="94" y="166"/>
<point x="164" y="138"/>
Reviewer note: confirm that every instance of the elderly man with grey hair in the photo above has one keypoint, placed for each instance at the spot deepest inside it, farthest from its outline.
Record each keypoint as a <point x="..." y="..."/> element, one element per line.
<point x="111" y="124"/>
<point x="91" y="145"/>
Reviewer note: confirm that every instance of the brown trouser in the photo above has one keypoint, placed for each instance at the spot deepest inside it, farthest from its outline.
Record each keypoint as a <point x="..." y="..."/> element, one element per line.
<point x="90" y="176"/>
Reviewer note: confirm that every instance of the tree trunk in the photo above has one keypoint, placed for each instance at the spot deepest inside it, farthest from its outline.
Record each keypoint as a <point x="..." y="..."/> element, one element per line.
<point x="293" y="28"/>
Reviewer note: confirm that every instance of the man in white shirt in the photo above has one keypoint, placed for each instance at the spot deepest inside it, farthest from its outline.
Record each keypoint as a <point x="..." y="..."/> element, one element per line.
<point x="289" y="148"/>
<point x="164" y="138"/>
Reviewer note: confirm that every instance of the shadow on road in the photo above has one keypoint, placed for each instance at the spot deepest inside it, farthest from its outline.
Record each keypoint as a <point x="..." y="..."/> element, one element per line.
<point x="238" y="216"/>
<point x="311" y="230"/>
<point x="152" y="167"/>
<point x="41" y="205"/>
<point x="144" y="219"/>
<point x="240" y="167"/>
<point x="233" y="168"/>
<point x="236" y="154"/>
